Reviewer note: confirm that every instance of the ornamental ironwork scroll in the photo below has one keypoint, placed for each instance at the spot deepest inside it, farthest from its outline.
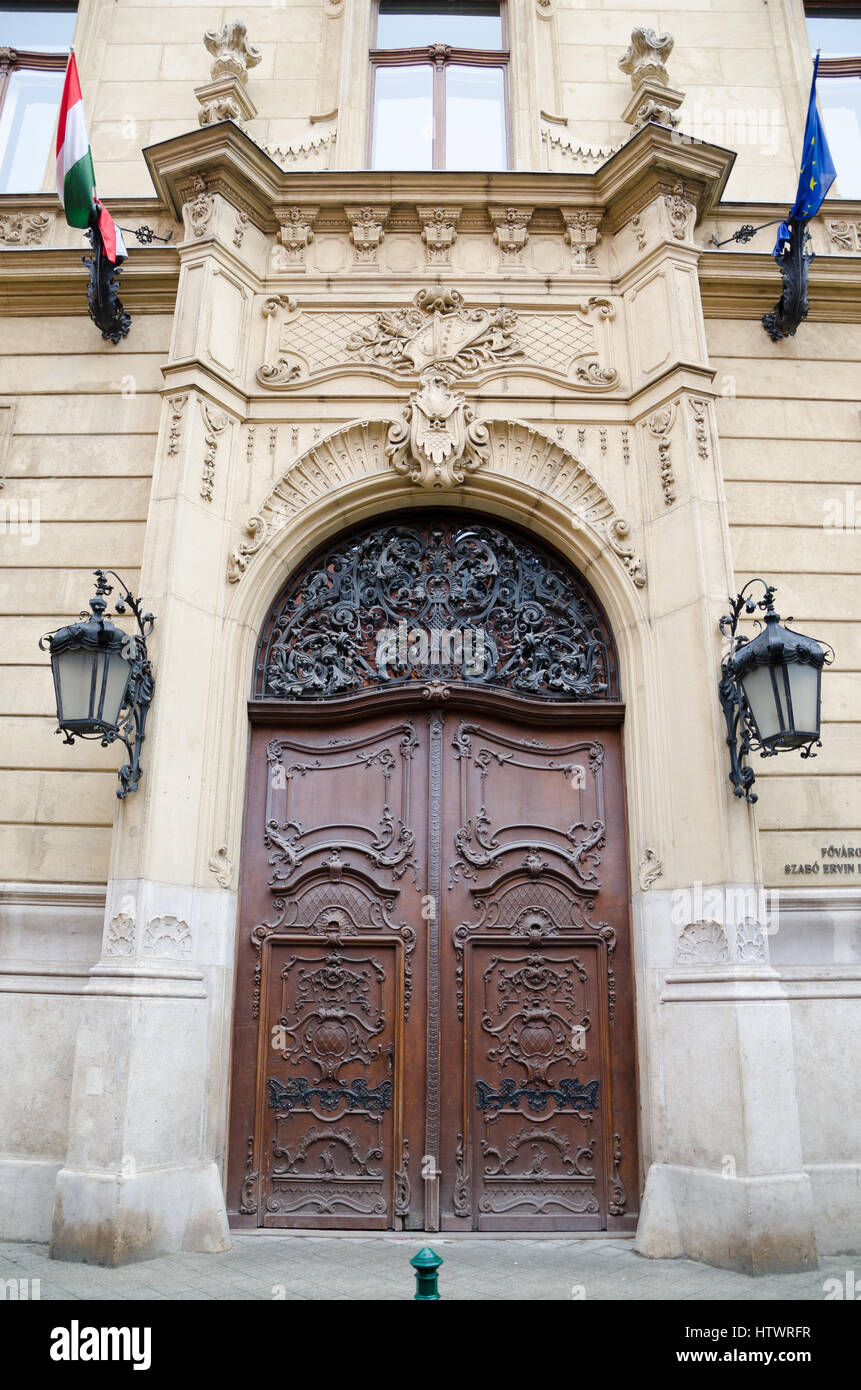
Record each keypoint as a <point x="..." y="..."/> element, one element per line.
<point x="442" y="601"/>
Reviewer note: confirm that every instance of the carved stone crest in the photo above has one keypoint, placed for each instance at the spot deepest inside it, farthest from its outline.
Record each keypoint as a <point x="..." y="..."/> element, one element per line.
<point x="438" y="330"/>
<point x="438" y="441"/>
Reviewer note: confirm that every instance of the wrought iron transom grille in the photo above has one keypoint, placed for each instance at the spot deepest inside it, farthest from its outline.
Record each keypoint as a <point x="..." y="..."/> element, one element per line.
<point x="444" y="600"/>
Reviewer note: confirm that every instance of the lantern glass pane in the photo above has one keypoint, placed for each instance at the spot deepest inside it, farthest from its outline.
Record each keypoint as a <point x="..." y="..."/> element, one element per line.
<point x="115" y="687"/>
<point x="804" y="685"/>
<point x="765" y="707"/>
<point x="74" y="672"/>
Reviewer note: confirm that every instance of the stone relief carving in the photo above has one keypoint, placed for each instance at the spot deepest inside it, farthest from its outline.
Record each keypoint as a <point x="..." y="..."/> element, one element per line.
<point x="197" y="212"/>
<point x="660" y="424"/>
<point x="702" y="943"/>
<point x="24" y="228"/>
<point x="438" y="329"/>
<point x="438" y="441"/>
<point x="650" y="868"/>
<point x="439" y="232"/>
<point x="846" y="236"/>
<point x="239" y="230"/>
<point x="121" y="936"/>
<point x="169" y="937"/>
<point x="221" y="866"/>
<point x="296" y="232"/>
<point x="367" y="229"/>
<point x="698" y="410"/>
<point x="561" y="147"/>
<point x="515" y="450"/>
<point x="582" y="233"/>
<point x="317" y="151"/>
<point x="750" y="942"/>
<point x="177" y="406"/>
<point x="215" y="423"/>
<point x="679" y="211"/>
<point x="639" y="231"/>
<point x="510" y="233"/>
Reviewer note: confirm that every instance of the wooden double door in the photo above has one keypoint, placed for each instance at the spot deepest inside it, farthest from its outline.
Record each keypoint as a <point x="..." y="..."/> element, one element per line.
<point x="434" y="1022"/>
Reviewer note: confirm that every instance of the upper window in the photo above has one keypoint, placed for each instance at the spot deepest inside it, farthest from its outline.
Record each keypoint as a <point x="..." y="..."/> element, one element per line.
<point x="836" y="30"/>
<point x="439" y="78"/>
<point x="31" y="85"/>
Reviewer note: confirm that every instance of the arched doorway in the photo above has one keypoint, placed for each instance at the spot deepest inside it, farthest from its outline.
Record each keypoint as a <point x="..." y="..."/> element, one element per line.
<point x="434" y="1005"/>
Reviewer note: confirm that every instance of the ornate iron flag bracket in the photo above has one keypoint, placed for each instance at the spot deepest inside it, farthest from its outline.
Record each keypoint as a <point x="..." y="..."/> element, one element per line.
<point x="794" y="265"/>
<point x="106" y="309"/>
<point x="740" y="731"/>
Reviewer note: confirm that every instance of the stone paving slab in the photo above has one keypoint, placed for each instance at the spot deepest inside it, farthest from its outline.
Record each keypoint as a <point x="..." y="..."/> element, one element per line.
<point x="341" y="1267"/>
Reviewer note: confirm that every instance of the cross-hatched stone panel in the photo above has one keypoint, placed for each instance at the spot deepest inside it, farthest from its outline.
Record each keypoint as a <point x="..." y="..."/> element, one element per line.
<point x="322" y="338"/>
<point x="553" y="340"/>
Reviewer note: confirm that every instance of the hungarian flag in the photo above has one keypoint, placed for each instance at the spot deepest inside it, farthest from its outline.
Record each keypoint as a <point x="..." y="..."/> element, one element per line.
<point x="76" y="181"/>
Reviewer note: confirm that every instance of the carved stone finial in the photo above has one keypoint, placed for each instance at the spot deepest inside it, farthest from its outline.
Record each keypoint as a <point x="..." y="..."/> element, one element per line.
<point x="652" y="98"/>
<point x="438" y="441"/>
<point x="646" y="57"/>
<point x="232" y="53"/>
<point x="224" y="98"/>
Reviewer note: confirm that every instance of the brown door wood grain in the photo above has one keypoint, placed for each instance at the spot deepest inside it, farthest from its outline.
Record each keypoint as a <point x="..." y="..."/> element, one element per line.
<point x="434" y="1005"/>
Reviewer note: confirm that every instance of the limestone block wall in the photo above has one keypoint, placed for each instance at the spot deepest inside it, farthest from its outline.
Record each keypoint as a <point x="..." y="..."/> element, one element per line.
<point x="790" y="424"/>
<point x="78" y="464"/>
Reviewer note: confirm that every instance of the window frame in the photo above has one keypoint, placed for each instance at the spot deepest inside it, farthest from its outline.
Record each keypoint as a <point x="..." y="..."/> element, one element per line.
<point x="848" y="66"/>
<point x="32" y="60"/>
<point x="439" y="57"/>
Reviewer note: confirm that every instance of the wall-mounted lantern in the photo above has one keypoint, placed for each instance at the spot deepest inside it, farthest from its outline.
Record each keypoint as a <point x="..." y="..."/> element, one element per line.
<point x="769" y="688"/>
<point x="103" y="678"/>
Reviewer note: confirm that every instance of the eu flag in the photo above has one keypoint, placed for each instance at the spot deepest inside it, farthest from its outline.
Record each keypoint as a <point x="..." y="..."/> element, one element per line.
<point x="817" y="170"/>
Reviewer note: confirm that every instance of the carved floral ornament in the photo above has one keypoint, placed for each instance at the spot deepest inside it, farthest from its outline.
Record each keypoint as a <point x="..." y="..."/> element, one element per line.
<point x="438" y="329"/>
<point x="437" y="440"/>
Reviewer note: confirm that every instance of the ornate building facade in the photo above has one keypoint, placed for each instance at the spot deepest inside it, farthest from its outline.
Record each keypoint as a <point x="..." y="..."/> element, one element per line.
<point x="441" y="433"/>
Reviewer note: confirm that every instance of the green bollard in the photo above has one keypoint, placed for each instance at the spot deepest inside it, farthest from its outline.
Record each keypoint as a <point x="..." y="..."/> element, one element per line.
<point x="426" y="1265"/>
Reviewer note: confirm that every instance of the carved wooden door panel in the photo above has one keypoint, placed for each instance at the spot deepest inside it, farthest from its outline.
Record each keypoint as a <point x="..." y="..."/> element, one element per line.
<point x="537" y="1038"/>
<point x="328" y="1102"/>
<point x="434" y="1022"/>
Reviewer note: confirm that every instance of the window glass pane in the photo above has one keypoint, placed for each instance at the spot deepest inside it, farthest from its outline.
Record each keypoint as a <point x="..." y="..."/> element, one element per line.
<point x="840" y="102"/>
<point x="474" y="118"/>
<point x="403" y="118"/>
<point x="462" y="26"/>
<point x="837" y="33"/>
<point x="34" y="28"/>
<point x="27" y="125"/>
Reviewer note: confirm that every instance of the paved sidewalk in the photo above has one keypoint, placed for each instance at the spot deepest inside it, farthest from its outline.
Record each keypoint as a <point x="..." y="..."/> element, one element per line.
<point x="377" y="1267"/>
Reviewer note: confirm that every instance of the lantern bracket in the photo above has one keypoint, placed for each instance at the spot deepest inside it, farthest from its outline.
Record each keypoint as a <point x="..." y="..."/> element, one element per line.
<point x="741" y="733"/>
<point x="131" y="725"/>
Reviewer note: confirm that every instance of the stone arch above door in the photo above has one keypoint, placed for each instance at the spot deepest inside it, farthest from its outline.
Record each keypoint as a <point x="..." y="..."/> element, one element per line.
<point x="495" y="453"/>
